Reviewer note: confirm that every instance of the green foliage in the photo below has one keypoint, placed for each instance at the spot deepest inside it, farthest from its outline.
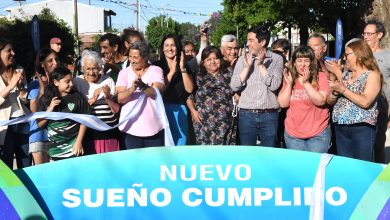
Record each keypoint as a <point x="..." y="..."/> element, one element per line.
<point x="158" y="27"/>
<point x="19" y="32"/>
<point x="313" y="14"/>
<point x="188" y="31"/>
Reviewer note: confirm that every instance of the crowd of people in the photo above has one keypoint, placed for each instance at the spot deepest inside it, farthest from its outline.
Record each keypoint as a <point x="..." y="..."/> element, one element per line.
<point x="303" y="102"/>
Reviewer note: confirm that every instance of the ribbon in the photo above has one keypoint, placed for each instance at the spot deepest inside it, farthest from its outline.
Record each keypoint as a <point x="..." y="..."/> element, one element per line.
<point x="93" y="122"/>
<point x="318" y="193"/>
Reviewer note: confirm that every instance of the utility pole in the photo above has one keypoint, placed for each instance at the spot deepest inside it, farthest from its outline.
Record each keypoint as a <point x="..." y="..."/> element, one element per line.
<point x="138" y="14"/>
<point x="75" y="26"/>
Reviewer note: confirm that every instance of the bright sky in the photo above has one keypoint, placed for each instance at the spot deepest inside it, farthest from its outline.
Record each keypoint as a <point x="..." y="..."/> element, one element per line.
<point x="194" y="11"/>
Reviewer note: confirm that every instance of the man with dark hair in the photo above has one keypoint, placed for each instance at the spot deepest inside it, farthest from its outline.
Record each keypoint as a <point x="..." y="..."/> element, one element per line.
<point x="317" y="42"/>
<point x="113" y="60"/>
<point x="258" y="75"/>
<point x="189" y="49"/>
<point x="128" y="37"/>
<point x="373" y="34"/>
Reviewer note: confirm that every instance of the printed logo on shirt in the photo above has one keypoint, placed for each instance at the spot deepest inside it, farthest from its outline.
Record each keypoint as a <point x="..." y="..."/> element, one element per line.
<point x="299" y="95"/>
<point x="71" y="106"/>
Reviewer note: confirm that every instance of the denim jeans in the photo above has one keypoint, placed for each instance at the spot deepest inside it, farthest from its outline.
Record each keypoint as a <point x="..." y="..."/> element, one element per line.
<point x="134" y="142"/>
<point x="262" y="126"/>
<point x="319" y="143"/>
<point x="178" y="122"/>
<point x="356" y="141"/>
<point x="16" y="142"/>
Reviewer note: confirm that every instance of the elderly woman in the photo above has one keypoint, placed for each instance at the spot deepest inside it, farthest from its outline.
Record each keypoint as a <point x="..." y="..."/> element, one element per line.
<point x="304" y="92"/>
<point x="212" y="111"/>
<point x="45" y="63"/>
<point x="179" y="85"/>
<point x="354" y="96"/>
<point x="145" y="129"/>
<point x="99" y="90"/>
<point x="13" y="138"/>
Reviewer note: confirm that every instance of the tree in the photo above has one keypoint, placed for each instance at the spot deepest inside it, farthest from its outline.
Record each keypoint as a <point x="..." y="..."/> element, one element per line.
<point x="303" y="14"/>
<point x="381" y="12"/>
<point x="18" y="31"/>
<point x="188" y="31"/>
<point x="158" y="27"/>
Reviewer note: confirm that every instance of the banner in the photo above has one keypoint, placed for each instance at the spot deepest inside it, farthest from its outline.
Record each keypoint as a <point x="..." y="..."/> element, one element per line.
<point x="35" y="34"/>
<point x="201" y="182"/>
<point x="339" y="38"/>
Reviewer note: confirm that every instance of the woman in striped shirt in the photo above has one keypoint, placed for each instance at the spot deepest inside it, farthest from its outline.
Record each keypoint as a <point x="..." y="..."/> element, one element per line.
<point x="99" y="89"/>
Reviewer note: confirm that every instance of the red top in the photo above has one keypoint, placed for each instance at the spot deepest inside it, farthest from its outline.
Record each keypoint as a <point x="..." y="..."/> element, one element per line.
<point x="304" y="119"/>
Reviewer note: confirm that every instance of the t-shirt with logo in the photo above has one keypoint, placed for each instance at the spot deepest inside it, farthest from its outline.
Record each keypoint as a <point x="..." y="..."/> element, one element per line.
<point x="63" y="133"/>
<point x="304" y="119"/>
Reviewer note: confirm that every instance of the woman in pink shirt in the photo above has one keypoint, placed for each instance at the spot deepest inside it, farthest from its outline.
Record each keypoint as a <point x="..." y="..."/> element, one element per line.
<point x="145" y="129"/>
<point x="304" y="92"/>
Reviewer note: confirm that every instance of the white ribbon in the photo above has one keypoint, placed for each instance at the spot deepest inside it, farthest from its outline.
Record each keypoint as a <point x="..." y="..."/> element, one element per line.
<point x="318" y="192"/>
<point x="93" y="122"/>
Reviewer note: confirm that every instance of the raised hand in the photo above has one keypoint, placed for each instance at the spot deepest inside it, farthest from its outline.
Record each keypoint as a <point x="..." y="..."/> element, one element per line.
<point x="54" y="102"/>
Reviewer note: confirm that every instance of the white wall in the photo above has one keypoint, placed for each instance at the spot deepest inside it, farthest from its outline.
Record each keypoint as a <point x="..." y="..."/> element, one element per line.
<point x="90" y="18"/>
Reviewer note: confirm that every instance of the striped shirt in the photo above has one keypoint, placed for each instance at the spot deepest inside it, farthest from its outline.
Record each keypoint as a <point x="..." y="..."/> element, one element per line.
<point x="259" y="92"/>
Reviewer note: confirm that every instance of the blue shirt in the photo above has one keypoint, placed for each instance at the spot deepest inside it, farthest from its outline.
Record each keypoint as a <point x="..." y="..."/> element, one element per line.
<point x="36" y="134"/>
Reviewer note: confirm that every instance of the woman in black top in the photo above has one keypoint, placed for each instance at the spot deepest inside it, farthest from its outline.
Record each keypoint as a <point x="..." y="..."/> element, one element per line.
<point x="178" y="84"/>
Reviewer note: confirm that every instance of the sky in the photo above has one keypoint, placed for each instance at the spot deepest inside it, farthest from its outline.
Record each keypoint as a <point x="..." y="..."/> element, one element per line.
<point x="194" y="11"/>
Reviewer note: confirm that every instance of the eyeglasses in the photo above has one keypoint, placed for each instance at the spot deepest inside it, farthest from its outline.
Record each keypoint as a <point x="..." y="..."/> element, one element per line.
<point x="368" y="34"/>
<point x="347" y="54"/>
<point x="95" y="69"/>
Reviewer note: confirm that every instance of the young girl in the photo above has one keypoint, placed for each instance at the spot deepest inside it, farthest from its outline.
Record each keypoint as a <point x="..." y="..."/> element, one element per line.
<point x="46" y="61"/>
<point x="65" y="136"/>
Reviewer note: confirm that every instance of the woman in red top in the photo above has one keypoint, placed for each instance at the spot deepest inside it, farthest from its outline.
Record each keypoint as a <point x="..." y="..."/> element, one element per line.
<point x="304" y="92"/>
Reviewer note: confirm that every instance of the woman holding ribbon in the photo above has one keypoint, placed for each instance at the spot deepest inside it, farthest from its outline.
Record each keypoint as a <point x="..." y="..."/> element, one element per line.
<point x="139" y="82"/>
<point x="13" y="138"/>
<point x="99" y="90"/>
<point x="355" y="96"/>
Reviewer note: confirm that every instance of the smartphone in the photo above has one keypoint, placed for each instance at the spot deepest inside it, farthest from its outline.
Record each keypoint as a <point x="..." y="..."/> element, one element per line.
<point x="330" y="59"/>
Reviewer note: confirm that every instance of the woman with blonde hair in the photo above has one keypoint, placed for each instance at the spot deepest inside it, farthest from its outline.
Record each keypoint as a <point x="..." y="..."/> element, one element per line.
<point x="354" y="96"/>
<point x="304" y="92"/>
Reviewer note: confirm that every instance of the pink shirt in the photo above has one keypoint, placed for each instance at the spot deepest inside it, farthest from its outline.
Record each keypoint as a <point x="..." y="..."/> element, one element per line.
<point x="304" y="119"/>
<point x="147" y="122"/>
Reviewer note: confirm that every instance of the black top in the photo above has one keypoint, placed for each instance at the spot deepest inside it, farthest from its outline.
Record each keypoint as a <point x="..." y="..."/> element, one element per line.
<point x="175" y="92"/>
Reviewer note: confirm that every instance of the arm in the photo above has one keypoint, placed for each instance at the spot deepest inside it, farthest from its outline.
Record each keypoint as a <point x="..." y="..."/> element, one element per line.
<point x="369" y="94"/>
<point x="124" y="93"/>
<point x="78" y="144"/>
<point x="42" y="123"/>
<point x="196" y="118"/>
<point x="187" y="79"/>
<point x="274" y="74"/>
<point x="241" y="72"/>
<point x="318" y="98"/>
<point x="109" y="100"/>
<point x="150" y="92"/>
<point x="16" y="77"/>
<point x="285" y="94"/>
<point x="203" y="44"/>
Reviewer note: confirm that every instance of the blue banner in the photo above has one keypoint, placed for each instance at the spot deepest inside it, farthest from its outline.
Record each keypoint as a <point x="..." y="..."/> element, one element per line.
<point x="35" y="34"/>
<point x="199" y="182"/>
<point x="339" y="38"/>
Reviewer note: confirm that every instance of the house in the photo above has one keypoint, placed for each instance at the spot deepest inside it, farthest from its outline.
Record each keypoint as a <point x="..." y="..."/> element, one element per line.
<point x="91" y="19"/>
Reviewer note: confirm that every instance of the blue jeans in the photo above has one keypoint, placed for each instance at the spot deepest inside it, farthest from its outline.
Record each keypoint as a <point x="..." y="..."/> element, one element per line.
<point x="356" y="141"/>
<point x="178" y="122"/>
<point x="262" y="126"/>
<point x="319" y="143"/>
<point x="16" y="142"/>
<point x="134" y="142"/>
